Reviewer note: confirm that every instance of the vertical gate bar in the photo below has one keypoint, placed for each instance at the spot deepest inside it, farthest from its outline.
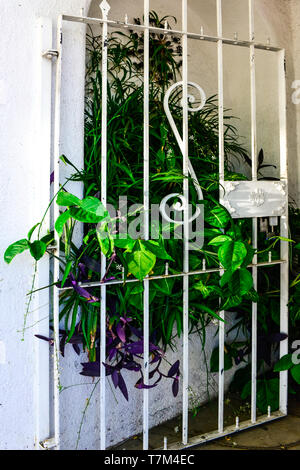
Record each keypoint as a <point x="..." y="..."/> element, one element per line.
<point x="282" y="118"/>
<point x="221" y="176"/>
<point x="56" y="169"/>
<point x="220" y="90"/>
<point x="185" y="397"/>
<point x="253" y="92"/>
<point x="254" y="328"/>
<point x="42" y="376"/>
<point x="254" y="221"/>
<point x="146" y="225"/>
<point x="284" y="269"/>
<point x="105" y="9"/>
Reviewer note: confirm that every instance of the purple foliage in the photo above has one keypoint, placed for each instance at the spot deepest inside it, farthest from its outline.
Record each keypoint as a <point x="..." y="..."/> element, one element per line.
<point x="81" y="291"/>
<point x="124" y="342"/>
<point x="125" y="351"/>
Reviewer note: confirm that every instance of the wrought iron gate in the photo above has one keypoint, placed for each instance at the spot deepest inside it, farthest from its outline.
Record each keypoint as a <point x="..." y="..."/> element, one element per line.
<point x="251" y="199"/>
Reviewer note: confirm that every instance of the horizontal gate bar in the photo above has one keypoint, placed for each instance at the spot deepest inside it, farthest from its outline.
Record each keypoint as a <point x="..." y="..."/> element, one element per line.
<point x="204" y="438"/>
<point x="170" y="276"/>
<point x="173" y="32"/>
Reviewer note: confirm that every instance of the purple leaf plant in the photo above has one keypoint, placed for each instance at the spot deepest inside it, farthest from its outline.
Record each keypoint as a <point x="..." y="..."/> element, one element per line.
<point x="124" y="351"/>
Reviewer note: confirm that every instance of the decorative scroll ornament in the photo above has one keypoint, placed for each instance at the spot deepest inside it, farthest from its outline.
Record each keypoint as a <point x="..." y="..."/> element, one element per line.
<point x="105" y="7"/>
<point x="177" y="207"/>
<point x="191" y="100"/>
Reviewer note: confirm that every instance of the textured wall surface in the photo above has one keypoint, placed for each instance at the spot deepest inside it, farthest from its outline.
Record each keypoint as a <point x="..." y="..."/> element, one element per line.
<point x="24" y="196"/>
<point x="24" y="192"/>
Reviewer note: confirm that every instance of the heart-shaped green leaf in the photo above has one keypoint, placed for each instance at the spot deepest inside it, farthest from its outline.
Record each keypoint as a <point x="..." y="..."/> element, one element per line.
<point x="217" y="216"/>
<point x="232" y="254"/>
<point x="37" y="249"/>
<point x="67" y="199"/>
<point x="140" y="261"/>
<point x="284" y="363"/>
<point x="94" y="206"/>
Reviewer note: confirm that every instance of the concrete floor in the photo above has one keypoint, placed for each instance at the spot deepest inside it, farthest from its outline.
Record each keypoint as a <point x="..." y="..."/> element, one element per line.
<point x="281" y="434"/>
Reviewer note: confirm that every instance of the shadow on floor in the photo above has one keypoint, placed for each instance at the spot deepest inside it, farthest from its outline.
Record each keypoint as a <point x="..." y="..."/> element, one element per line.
<point x="281" y="434"/>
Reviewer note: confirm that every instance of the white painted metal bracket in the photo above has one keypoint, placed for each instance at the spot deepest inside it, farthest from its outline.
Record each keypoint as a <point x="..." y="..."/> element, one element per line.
<point x="50" y="54"/>
<point x="48" y="444"/>
<point x="254" y="198"/>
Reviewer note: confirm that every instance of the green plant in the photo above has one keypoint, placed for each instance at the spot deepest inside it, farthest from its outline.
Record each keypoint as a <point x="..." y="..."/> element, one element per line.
<point x="226" y="242"/>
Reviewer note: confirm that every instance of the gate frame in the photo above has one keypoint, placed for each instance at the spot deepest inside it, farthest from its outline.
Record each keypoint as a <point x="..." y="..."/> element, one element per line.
<point x="284" y="256"/>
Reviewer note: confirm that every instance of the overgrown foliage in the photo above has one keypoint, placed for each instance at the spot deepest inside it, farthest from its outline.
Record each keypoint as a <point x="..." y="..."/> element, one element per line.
<point x="227" y="242"/>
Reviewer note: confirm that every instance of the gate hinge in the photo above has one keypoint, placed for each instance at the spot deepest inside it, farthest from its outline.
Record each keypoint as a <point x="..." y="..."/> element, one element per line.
<point x="50" y="53"/>
<point x="48" y="444"/>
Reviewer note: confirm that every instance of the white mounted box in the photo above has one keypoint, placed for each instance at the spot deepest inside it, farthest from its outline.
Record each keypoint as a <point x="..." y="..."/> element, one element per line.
<point x="254" y="198"/>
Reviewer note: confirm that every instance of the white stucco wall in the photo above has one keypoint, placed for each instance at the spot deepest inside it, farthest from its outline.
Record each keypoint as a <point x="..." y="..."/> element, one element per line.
<point x="25" y="172"/>
<point x="25" y="190"/>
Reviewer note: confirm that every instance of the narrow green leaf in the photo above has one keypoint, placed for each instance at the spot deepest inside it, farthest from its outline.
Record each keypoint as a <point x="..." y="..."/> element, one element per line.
<point x="61" y="220"/>
<point x="74" y="320"/>
<point x="211" y="312"/>
<point x="283" y="239"/>
<point x="295" y="371"/>
<point x="48" y="239"/>
<point x="170" y="326"/>
<point x="217" y="241"/>
<point x="32" y="230"/>
<point x="66" y="273"/>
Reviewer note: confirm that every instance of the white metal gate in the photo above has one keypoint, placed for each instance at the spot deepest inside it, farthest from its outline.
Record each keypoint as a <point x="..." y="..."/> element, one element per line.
<point x="268" y="199"/>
